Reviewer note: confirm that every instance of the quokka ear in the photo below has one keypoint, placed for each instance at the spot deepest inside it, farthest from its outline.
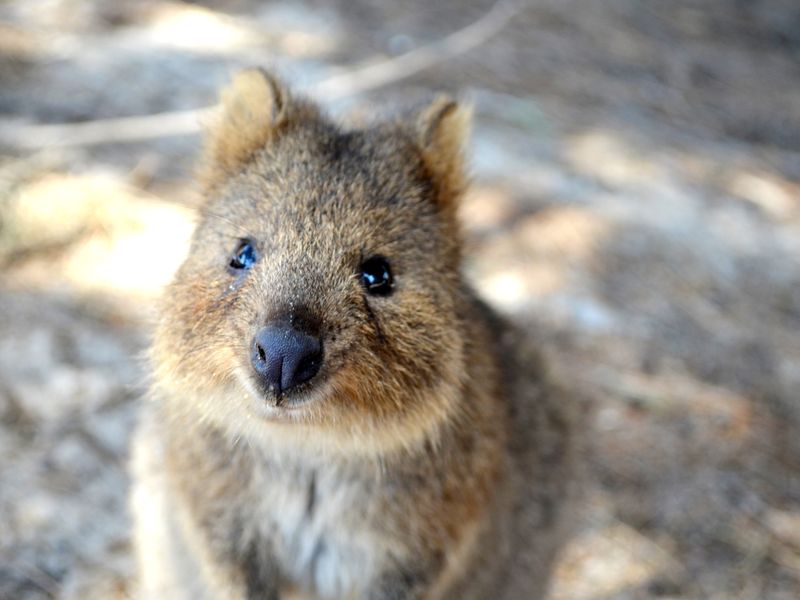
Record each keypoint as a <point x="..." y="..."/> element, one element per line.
<point x="253" y="108"/>
<point x="442" y="130"/>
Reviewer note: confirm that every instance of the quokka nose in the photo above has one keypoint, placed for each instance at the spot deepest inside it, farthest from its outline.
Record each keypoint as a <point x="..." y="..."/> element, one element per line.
<point x="284" y="357"/>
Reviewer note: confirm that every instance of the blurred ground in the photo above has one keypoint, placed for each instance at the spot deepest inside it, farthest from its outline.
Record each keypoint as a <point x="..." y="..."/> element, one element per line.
<point x="637" y="205"/>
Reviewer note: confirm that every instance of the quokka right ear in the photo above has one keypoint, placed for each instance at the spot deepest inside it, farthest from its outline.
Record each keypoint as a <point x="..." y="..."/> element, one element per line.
<point x="253" y="110"/>
<point x="442" y="129"/>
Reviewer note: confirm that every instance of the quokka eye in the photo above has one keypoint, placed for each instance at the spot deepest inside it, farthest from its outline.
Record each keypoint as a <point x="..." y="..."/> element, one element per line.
<point x="377" y="276"/>
<point x="244" y="257"/>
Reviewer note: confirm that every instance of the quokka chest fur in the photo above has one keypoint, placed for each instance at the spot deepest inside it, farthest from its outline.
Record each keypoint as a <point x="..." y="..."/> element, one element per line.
<point x="333" y="411"/>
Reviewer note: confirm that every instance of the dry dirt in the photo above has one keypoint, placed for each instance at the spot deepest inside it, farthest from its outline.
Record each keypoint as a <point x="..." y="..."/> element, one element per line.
<point x="636" y="205"/>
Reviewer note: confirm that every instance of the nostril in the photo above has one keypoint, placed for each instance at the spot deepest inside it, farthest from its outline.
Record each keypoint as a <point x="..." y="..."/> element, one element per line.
<point x="258" y="355"/>
<point x="302" y="362"/>
<point x="308" y="367"/>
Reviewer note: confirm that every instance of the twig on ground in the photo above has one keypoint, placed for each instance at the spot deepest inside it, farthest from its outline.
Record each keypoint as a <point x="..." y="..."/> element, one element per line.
<point x="377" y="75"/>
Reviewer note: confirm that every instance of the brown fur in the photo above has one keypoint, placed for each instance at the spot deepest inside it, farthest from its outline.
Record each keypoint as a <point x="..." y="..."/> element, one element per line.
<point x="429" y="457"/>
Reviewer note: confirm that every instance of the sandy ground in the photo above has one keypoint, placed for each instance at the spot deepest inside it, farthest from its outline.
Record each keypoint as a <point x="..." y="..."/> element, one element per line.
<point x="636" y="205"/>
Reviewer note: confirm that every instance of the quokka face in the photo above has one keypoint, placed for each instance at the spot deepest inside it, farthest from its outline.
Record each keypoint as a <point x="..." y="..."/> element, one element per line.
<point x="320" y="294"/>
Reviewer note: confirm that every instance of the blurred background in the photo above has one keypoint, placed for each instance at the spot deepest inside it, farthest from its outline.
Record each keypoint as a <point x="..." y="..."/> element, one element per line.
<point x="636" y="205"/>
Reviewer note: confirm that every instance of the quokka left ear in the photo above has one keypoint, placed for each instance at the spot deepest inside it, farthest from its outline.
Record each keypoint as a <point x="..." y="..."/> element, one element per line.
<point x="442" y="131"/>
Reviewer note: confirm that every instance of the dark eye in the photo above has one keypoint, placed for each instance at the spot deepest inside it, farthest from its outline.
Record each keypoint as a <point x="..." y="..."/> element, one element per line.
<point x="244" y="257"/>
<point x="376" y="276"/>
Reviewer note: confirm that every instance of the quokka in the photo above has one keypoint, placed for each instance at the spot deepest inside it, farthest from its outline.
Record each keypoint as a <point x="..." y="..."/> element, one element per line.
<point x="334" y="412"/>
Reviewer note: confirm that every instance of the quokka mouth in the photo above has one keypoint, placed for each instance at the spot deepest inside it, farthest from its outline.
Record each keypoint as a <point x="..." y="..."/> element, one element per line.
<point x="300" y="397"/>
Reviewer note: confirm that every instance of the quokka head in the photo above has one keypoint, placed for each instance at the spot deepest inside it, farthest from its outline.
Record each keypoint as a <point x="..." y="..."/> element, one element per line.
<point x="320" y="296"/>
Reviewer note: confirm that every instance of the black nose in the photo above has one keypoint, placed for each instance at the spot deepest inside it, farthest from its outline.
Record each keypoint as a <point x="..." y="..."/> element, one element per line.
<point x="284" y="357"/>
